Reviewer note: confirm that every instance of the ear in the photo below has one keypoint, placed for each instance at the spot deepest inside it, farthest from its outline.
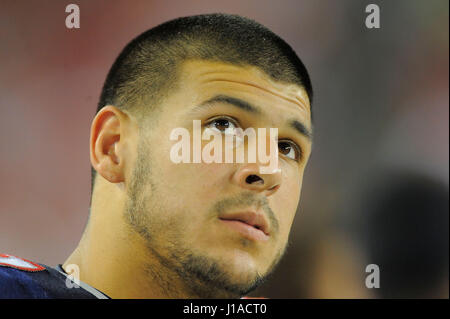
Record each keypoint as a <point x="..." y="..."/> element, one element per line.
<point x="106" y="144"/>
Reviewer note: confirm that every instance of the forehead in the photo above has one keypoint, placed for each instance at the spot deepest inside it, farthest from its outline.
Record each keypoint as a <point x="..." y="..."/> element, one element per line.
<point x="201" y="80"/>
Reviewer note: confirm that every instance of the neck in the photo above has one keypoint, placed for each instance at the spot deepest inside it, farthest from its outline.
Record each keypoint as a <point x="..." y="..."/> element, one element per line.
<point x="114" y="259"/>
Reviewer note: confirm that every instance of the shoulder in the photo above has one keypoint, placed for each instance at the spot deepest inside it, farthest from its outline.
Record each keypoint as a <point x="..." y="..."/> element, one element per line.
<point x="21" y="278"/>
<point x="15" y="281"/>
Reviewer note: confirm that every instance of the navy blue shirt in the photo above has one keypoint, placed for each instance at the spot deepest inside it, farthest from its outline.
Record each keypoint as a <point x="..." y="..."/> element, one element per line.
<point x="23" y="279"/>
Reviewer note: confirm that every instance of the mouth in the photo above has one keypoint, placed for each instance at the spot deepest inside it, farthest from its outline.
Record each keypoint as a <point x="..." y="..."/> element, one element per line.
<point x="251" y="225"/>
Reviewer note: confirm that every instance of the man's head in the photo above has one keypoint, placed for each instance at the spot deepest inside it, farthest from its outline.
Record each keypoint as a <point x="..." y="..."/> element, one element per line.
<point x="228" y="72"/>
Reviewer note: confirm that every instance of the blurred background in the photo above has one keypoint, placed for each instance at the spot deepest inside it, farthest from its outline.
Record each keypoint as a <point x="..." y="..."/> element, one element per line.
<point x="375" y="190"/>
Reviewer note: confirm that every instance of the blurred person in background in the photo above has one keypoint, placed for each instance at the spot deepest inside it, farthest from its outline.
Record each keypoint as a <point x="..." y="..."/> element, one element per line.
<point x="404" y="229"/>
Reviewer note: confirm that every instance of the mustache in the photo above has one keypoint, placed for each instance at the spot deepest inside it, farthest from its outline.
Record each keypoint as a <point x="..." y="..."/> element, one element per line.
<point x="244" y="200"/>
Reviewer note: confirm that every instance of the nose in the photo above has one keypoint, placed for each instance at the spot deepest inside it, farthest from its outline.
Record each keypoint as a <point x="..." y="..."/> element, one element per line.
<point x="251" y="176"/>
<point x="248" y="177"/>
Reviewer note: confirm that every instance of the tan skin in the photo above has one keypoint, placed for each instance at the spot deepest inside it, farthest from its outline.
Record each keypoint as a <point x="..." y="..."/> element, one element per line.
<point x="177" y="200"/>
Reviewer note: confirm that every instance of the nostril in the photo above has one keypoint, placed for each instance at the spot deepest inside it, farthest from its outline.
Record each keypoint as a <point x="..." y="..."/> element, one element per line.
<point x="254" y="179"/>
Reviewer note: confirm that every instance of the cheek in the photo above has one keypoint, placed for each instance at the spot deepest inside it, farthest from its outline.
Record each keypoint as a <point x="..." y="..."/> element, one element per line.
<point x="191" y="186"/>
<point x="201" y="179"/>
<point x="187" y="177"/>
<point x="287" y="201"/>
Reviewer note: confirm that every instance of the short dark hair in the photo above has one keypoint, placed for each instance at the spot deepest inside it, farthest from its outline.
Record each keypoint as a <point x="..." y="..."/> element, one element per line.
<point x="146" y="69"/>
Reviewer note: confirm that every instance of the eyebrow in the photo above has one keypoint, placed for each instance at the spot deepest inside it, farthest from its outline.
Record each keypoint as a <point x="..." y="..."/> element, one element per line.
<point x="243" y="105"/>
<point x="301" y="128"/>
<point x="247" y="107"/>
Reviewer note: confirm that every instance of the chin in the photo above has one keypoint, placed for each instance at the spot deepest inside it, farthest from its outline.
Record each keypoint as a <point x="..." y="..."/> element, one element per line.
<point x="223" y="275"/>
<point x="241" y="271"/>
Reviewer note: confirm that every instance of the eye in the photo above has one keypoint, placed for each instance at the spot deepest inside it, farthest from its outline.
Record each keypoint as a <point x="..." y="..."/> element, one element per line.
<point x="223" y="125"/>
<point x="290" y="150"/>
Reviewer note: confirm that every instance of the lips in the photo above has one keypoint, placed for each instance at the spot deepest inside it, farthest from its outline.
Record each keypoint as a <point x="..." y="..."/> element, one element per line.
<point x="255" y="224"/>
